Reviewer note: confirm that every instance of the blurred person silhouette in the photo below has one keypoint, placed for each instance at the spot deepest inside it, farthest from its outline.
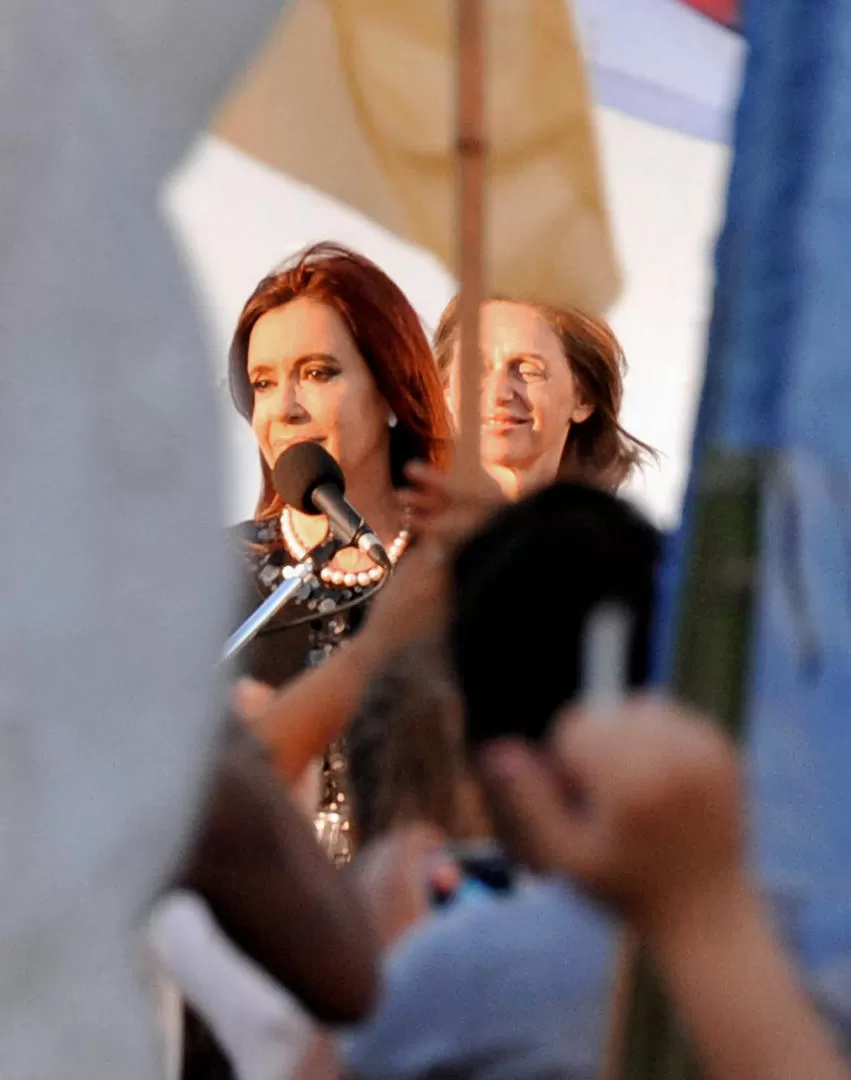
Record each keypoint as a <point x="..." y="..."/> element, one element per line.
<point x="643" y="807"/>
<point x="517" y="984"/>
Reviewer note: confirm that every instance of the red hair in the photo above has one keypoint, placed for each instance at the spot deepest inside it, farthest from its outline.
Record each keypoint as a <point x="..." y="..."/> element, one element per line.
<point x="388" y="335"/>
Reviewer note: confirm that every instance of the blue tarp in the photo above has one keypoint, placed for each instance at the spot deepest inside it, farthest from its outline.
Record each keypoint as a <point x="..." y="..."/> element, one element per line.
<point x="779" y="380"/>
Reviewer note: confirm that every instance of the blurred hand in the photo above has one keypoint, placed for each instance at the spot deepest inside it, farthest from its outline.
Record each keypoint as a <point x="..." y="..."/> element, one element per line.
<point x="297" y="722"/>
<point x="255" y="862"/>
<point x="642" y="806"/>
<point x="398" y="874"/>
<point x="411" y="605"/>
<point x="320" y="1062"/>
<point x="445" y="509"/>
<point x="251" y="699"/>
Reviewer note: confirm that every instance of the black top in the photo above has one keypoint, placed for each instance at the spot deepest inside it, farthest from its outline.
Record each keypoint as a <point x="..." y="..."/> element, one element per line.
<point x="305" y="630"/>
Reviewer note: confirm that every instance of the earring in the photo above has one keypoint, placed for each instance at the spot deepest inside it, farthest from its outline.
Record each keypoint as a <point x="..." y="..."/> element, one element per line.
<point x="392" y="420"/>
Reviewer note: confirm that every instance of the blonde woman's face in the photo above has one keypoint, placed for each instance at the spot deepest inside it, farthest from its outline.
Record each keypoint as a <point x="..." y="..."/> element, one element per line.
<point x="529" y="394"/>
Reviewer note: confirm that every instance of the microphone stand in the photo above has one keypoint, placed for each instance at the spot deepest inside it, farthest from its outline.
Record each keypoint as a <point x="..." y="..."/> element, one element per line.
<point x="276" y="600"/>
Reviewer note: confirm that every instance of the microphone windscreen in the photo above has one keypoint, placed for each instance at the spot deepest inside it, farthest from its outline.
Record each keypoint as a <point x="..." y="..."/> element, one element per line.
<point x="300" y="469"/>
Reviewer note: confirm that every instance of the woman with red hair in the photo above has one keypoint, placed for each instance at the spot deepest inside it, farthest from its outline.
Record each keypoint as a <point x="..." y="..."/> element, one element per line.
<point x="328" y="349"/>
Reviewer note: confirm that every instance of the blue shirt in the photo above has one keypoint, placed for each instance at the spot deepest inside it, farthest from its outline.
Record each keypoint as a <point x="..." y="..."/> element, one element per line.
<point x="512" y="986"/>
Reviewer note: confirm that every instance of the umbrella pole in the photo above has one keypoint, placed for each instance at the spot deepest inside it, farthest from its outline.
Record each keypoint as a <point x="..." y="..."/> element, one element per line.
<point x="471" y="153"/>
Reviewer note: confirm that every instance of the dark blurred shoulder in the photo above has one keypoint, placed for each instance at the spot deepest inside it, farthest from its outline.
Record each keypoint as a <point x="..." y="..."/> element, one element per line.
<point x="278" y="652"/>
<point x="251" y="533"/>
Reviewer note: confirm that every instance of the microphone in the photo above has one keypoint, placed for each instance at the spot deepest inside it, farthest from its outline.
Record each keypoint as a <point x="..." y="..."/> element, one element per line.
<point x="308" y="478"/>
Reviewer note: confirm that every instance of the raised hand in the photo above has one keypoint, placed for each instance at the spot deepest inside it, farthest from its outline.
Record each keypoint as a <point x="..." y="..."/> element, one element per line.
<point x="444" y="508"/>
<point x="642" y="806"/>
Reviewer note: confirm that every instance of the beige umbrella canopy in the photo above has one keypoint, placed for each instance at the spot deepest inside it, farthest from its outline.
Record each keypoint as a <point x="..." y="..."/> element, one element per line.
<point x="357" y="98"/>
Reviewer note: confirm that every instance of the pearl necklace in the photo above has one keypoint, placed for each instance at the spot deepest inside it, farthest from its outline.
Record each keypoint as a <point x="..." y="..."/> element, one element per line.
<point x="349" y="579"/>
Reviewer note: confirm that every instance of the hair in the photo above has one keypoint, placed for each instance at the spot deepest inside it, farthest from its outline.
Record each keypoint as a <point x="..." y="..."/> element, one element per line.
<point x="406" y="752"/>
<point x="598" y="450"/>
<point x="516" y="644"/>
<point x="388" y="335"/>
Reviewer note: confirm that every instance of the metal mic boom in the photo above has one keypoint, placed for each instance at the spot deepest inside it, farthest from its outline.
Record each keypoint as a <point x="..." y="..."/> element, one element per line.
<point x="276" y="600"/>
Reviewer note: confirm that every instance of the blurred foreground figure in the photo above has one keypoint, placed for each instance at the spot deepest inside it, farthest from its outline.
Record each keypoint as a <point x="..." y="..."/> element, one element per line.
<point x="114" y="606"/>
<point x="643" y="807"/>
<point x="523" y="971"/>
<point x="262" y="933"/>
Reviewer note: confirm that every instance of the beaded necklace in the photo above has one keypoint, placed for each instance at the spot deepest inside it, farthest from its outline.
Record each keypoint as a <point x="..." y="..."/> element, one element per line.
<point x="299" y="550"/>
<point x="323" y="594"/>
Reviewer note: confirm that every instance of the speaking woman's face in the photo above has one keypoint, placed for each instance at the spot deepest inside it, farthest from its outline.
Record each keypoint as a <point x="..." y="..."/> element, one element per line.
<point x="310" y="383"/>
<point x="529" y="394"/>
